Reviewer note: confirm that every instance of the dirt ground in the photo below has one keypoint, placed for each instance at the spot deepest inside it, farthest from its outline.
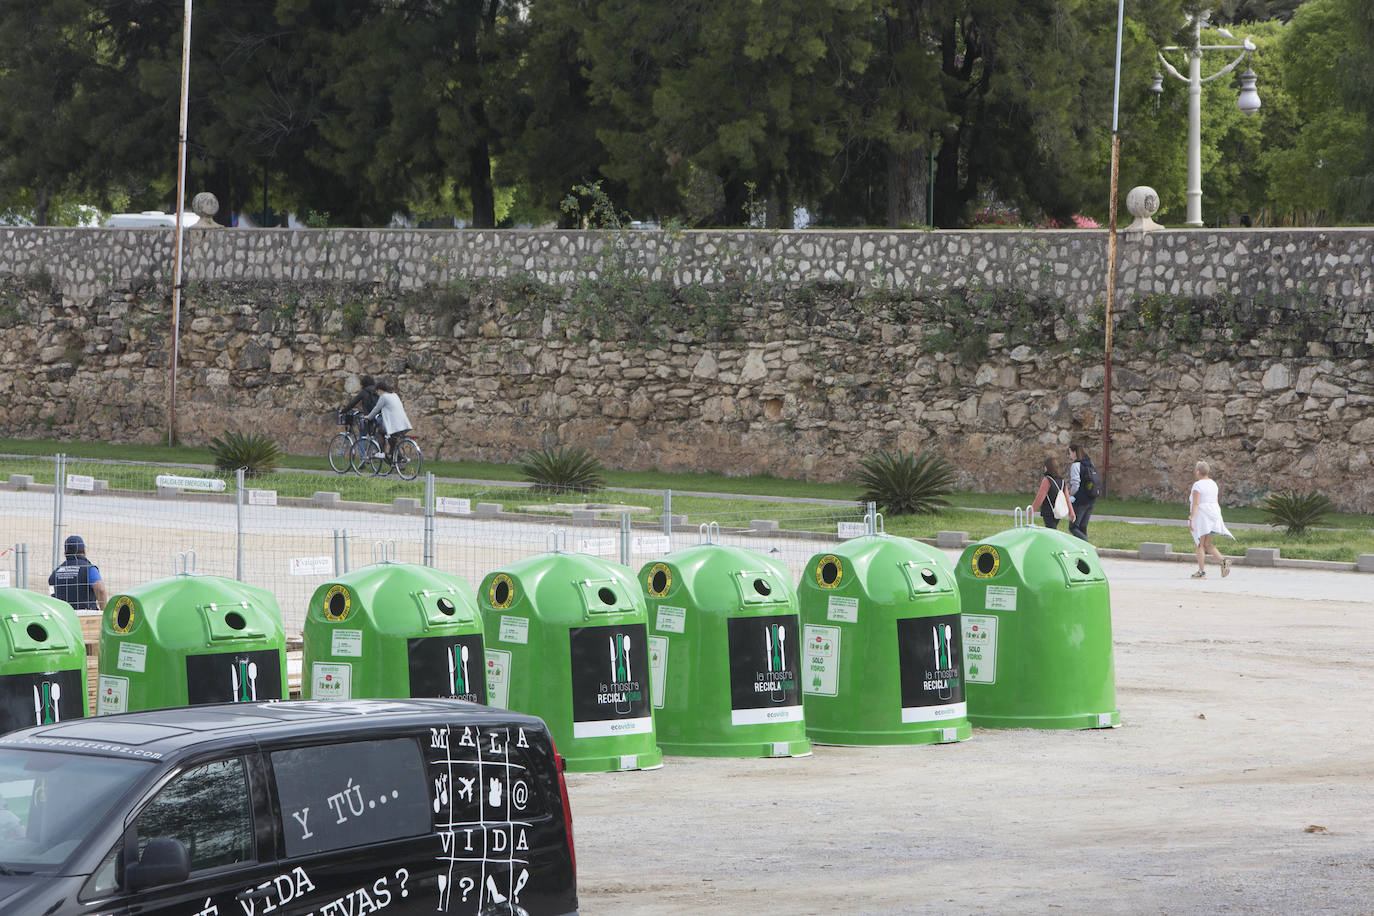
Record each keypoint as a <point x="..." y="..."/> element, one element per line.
<point x="1241" y="781"/>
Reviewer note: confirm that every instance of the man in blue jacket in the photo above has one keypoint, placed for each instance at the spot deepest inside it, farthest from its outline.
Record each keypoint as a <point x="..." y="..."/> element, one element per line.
<point x="77" y="581"/>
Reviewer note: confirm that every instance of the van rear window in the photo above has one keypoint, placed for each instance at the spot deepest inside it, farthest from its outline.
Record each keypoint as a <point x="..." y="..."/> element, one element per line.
<point x="339" y="795"/>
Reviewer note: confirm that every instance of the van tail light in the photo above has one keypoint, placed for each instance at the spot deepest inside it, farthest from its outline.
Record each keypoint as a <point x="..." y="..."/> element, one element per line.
<point x="560" y="764"/>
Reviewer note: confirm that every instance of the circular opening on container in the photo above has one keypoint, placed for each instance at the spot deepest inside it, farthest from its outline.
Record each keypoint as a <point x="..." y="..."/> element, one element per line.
<point x="37" y="632"/>
<point x="606" y="595"/>
<point x="338" y="605"/>
<point x="1083" y="566"/>
<point x="234" y="620"/>
<point x="658" y="583"/>
<point x="928" y="576"/>
<point x="446" y="607"/>
<point x="830" y="572"/>
<point x="500" y="592"/>
<point x="124" y="616"/>
<point x="762" y="587"/>
<point x="987" y="563"/>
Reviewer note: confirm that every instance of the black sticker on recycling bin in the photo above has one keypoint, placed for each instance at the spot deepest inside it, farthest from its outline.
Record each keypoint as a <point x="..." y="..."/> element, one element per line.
<point x="930" y="656"/>
<point x="764" y="658"/>
<point x="233" y="677"/>
<point x="40" y="698"/>
<point x="452" y="667"/>
<point x="610" y="680"/>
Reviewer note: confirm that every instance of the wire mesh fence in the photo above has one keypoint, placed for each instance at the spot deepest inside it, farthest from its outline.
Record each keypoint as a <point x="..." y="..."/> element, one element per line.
<point x="290" y="531"/>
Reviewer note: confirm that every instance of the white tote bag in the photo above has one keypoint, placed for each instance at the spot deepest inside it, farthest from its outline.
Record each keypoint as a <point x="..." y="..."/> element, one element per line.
<point x="1061" y="505"/>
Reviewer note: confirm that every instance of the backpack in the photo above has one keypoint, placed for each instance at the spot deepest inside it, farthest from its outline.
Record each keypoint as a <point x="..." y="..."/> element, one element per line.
<point x="1089" y="480"/>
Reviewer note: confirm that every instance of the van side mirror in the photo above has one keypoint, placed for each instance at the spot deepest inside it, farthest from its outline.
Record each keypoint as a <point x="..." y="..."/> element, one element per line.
<point x="164" y="861"/>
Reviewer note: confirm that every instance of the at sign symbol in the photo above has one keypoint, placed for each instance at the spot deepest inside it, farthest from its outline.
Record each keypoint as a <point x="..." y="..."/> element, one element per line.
<point x="520" y="794"/>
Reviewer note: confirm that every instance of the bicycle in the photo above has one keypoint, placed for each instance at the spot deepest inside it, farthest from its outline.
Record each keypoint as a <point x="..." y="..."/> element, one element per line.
<point x="342" y="445"/>
<point x="405" y="456"/>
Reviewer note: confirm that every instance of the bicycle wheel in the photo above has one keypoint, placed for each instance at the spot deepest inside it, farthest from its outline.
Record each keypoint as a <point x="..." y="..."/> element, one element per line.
<point x="408" y="459"/>
<point x="366" y="456"/>
<point x="341" y="453"/>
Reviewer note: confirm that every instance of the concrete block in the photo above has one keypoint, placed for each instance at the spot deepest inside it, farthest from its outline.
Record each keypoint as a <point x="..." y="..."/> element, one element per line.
<point x="101" y="486"/>
<point x="1152" y="550"/>
<point x="325" y="498"/>
<point x="1364" y="562"/>
<point x="585" y="515"/>
<point x="168" y="492"/>
<point x="1261" y="556"/>
<point x="486" y="510"/>
<point x="21" y="481"/>
<point x="405" y="504"/>
<point x="676" y="520"/>
<point x="951" y="539"/>
<point x="763" y="526"/>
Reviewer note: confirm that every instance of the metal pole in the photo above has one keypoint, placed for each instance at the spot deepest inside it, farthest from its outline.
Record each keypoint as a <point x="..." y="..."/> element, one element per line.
<point x="180" y="203"/>
<point x="624" y="539"/>
<point x="668" y="512"/>
<point x="58" y="477"/>
<point x="239" y="496"/>
<point x="23" y="563"/>
<point x="338" y="562"/>
<point x="429" y="518"/>
<point x="343" y="536"/>
<point x="1195" y="126"/>
<point x="1109" y="313"/>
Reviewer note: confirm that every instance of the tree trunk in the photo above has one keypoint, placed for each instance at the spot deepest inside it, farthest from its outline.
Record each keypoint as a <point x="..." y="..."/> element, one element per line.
<point x="42" y="204"/>
<point x="908" y="195"/>
<point x="479" y="186"/>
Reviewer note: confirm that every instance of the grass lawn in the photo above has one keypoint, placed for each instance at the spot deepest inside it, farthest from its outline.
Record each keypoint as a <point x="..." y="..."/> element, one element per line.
<point x="1343" y="537"/>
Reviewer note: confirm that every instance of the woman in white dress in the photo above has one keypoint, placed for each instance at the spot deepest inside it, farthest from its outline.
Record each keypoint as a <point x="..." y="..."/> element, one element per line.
<point x="1204" y="521"/>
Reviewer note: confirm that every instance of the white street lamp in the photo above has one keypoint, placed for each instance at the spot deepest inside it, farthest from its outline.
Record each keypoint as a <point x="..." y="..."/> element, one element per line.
<point x="1248" y="102"/>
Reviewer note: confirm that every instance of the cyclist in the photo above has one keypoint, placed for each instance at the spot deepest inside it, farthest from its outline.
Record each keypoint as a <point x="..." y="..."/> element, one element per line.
<point x="395" y="423"/>
<point x="367" y="397"/>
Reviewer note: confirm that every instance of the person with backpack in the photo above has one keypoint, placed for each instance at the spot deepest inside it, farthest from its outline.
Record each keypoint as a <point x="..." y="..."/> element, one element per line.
<point x="1047" y="498"/>
<point x="77" y="580"/>
<point x="1085" y="484"/>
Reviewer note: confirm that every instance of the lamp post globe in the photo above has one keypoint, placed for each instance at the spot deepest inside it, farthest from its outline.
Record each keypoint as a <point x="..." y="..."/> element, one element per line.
<point x="1248" y="101"/>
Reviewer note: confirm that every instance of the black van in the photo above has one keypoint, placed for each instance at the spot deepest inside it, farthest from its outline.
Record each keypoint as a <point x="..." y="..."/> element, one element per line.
<point x="338" y="808"/>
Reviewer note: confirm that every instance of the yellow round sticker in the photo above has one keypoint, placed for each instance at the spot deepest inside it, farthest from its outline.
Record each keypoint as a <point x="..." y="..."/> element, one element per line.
<point x="337" y="602"/>
<point x="122" y="616"/>
<point x="660" y="580"/>
<point x="502" y="592"/>
<point x="829" y="571"/>
<point x="986" y="559"/>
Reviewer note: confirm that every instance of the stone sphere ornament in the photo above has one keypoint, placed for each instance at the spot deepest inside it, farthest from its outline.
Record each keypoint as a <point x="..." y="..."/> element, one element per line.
<point x="205" y="205"/>
<point x="1143" y="203"/>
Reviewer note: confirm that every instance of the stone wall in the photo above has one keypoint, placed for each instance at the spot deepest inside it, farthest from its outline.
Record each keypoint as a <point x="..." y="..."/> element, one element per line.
<point x="836" y="344"/>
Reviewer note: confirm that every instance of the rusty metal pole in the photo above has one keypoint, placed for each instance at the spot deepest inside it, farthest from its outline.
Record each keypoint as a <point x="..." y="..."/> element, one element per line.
<point x="1110" y="312"/>
<point x="180" y="204"/>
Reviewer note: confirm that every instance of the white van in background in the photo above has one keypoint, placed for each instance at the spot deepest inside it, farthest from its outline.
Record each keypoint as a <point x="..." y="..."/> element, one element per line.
<point x="149" y="218"/>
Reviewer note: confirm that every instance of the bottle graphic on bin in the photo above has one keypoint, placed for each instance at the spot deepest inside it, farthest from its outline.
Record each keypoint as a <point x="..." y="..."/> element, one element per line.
<point x="775" y="638"/>
<point x="620" y="669"/>
<point x="45" y="697"/>
<point x="243" y="677"/>
<point x="943" y="635"/>
<point x="457" y="657"/>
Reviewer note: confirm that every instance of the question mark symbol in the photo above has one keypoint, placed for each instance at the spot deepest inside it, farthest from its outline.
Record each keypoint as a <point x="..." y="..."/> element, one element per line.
<point x="466" y="885"/>
<point x="403" y="876"/>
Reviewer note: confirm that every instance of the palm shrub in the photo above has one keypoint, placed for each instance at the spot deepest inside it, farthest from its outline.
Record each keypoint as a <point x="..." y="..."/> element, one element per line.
<point x="562" y="470"/>
<point x="256" y="453"/>
<point x="905" y="484"/>
<point x="1296" y="512"/>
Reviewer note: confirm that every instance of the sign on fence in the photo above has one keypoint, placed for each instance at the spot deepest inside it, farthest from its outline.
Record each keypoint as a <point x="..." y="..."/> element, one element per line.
<point x="203" y="484"/>
<point x="852" y="530"/>
<point x="452" y="505"/>
<point x="4" y="578"/>
<point x="597" y="547"/>
<point x="262" y="497"/>
<point x="651" y="543"/>
<point x="80" y="482"/>
<point x="312" y="566"/>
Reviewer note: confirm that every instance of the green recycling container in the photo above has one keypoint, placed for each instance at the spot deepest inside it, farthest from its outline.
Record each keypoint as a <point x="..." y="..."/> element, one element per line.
<point x="566" y="641"/>
<point x="880" y="659"/>
<point x="189" y="639"/>
<point x="393" y="630"/>
<point x="723" y="654"/>
<point x="1037" y="632"/>
<point x="42" y="661"/>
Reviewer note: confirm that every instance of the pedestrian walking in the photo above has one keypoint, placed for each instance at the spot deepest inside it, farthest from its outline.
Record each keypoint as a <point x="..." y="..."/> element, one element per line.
<point x="1204" y="520"/>
<point x="77" y="580"/>
<point x="1050" y="498"/>
<point x="1085" y="485"/>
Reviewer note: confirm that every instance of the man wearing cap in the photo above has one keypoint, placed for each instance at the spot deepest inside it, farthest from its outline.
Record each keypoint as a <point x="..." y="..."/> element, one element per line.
<point x="77" y="581"/>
